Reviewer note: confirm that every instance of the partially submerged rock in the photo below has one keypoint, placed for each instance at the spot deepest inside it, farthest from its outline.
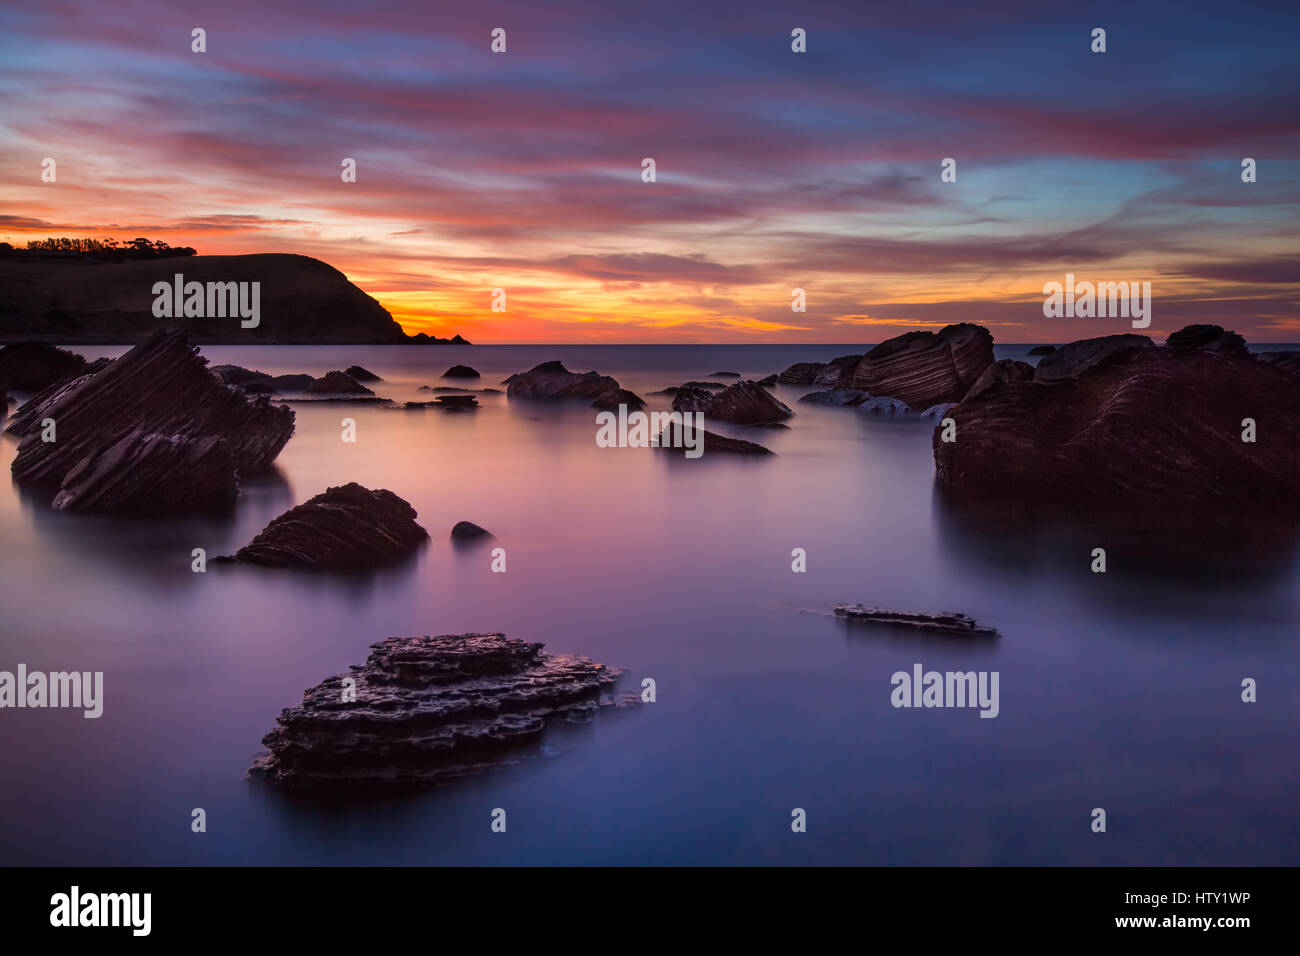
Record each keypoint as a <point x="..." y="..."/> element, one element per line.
<point x="836" y="397"/>
<point x="362" y="374"/>
<point x="1042" y="350"/>
<point x="676" y="438"/>
<point x="337" y="383"/>
<point x="33" y="366"/>
<point x="153" y="431"/>
<point x="460" y="371"/>
<point x="468" y="531"/>
<point x="426" y="711"/>
<point x="820" y="373"/>
<point x="884" y="405"/>
<point x="942" y="622"/>
<point x="744" y="403"/>
<point x="925" y="368"/>
<point x="348" y="528"/>
<point x="551" y="380"/>
<point x="724" y="375"/>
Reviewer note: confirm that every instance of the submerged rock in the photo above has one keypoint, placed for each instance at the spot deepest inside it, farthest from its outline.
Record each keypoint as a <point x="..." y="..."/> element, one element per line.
<point x="425" y="711"/>
<point x="836" y="396"/>
<point x="195" y="437"/>
<point x="460" y="371"/>
<point x="348" y="528"/>
<point x="1070" y="361"/>
<point x="942" y="622"/>
<point x="925" y="368"/>
<point x="745" y="403"/>
<point x="362" y="374"/>
<point x="33" y="366"/>
<point x="673" y="439"/>
<point x="455" y="403"/>
<point x="1042" y="350"/>
<point x="551" y="380"/>
<point x="468" y="530"/>
<point x="337" y="383"/>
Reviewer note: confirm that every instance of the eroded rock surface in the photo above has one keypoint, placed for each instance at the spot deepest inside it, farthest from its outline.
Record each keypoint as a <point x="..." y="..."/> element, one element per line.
<point x="925" y="368"/>
<point x="744" y="403"/>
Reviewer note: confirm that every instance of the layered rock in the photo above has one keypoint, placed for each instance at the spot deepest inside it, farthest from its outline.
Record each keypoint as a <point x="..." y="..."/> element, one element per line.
<point x="1153" y="431"/>
<point x="744" y="403"/>
<point x="426" y="711"/>
<point x="819" y="373"/>
<point x="551" y="380"/>
<point x="34" y="366"/>
<point x="925" y="368"/>
<point x="1070" y="361"/>
<point x="1003" y="370"/>
<point x="941" y="622"/>
<point x="348" y="528"/>
<point x="195" y="436"/>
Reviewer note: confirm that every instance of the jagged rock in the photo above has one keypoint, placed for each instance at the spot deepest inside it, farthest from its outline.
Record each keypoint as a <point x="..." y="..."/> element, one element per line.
<point x="745" y="403"/>
<point x="1153" y="431"/>
<point x="467" y="531"/>
<point x="884" y="405"/>
<point x="362" y="374"/>
<point x="337" y="383"/>
<point x="551" y="380"/>
<point x="348" y="528"/>
<point x="1003" y="370"/>
<point x="429" y="711"/>
<point x="1212" y="338"/>
<point x="673" y="439"/>
<point x="836" y="396"/>
<point x="159" y="401"/>
<point x="289" y="383"/>
<point x="460" y="371"/>
<point x="1042" y="350"/>
<point x="1069" y="361"/>
<point x="942" y="622"/>
<point x="34" y="366"/>
<point x="924" y="368"/>
<point x="938" y="412"/>
<point x="770" y="380"/>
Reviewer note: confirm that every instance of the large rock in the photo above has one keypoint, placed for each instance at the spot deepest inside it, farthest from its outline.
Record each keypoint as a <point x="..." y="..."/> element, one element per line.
<point x="1003" y="370"/>
<point x="348" y="528"/>
<point x="819" y="373"/>
<point x="744" y="403"/>
<point x="551" y="380"/>
<point x="426" y="711"/>
<point x="33" y="366"/>
<point x="925" y="368"/>
<point x="1071" y="361"/>
<point x="1212" y="338"/>
<point x="194" y="436"/>
<point x="1152" y="431"/>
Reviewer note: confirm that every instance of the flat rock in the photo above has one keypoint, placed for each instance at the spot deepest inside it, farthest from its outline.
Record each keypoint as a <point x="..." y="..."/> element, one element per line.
<point x="33" y="366"/>
<point x="551" y="380"/>
<point x="924" y="368"/>
<point x="195" y="437"/>
<point x="429" y="711"/>
<point x="348" y="528"/>
<point x="1071" y="361"/>
<point x="942" y="622"/>
<point x="744" y="403"/>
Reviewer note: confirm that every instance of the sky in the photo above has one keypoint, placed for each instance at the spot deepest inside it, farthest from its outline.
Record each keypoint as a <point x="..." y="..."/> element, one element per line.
<point x="774" y="170"/>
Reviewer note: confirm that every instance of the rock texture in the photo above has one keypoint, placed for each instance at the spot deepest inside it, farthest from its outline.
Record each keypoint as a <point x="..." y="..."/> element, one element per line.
<point x="33" y="366"/>
<point x="820" y="373"/>
<point x="430" y="711"/>
<point x="348" y="528"/>
<point x="744" y="403"/>
<point x="1003" y="370"/>
<point x="551" y="380"/>
<point x="1069" y="361"/>
<point x="942" y="622"/>
<point x="884" y="405"/>
<point x="1213" y="338"/>
<point x="154" y="431"/>
<point x="1154" y="431"/>
<point x="925" y="368"/>
<point x="836" y="396"/>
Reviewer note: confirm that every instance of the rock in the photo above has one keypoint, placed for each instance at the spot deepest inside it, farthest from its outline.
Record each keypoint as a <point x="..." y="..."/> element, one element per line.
<point x="677" y="388"/>
<point x="800" y="373"/>
<point x="456" y="403"/>
<point x="745" y="403"/>
<point x="1212" y="338"/>
<point x="237" y="374"/>
<point x="770" y="380"/>
<point x="159" y="401"/>
<point x="836" y="396"/>
<point x="1042" y="350"/>
<point x="289" y="383"/>
<point x="943" y="622"/>
<point x="429" y="711"/>
<point x="467" y="531"/>
<point x="460" y="371"/>
<point x="34" y="366"/>
<point x="938" y="412"/>
<point x="883" y="405"/>
<point x="337" y="383"/>
<point x="925" y="368"/>
<point x="1069" y="361"/>
<point x="724" y="375"/>
<point x="1003" y="370"/>
<point x="1288" y="362"/>
<point x="673" y="439"/>
<point x="837" y="369"/>
<point x="361" y="374"/>
<point x="1156" y="432"/>
<point x="348" y="528"/>
<point x="551" y="380"/>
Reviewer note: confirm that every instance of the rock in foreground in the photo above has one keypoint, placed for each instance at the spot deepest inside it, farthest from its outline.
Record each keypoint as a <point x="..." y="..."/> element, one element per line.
<point x="425" y="711"/>
<point x="745" y="403"/>
<point x="942" y="622"/>
<point x="152" y="432"/>
<point x="552" y="380"/>
<point x="348" y="528"/>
